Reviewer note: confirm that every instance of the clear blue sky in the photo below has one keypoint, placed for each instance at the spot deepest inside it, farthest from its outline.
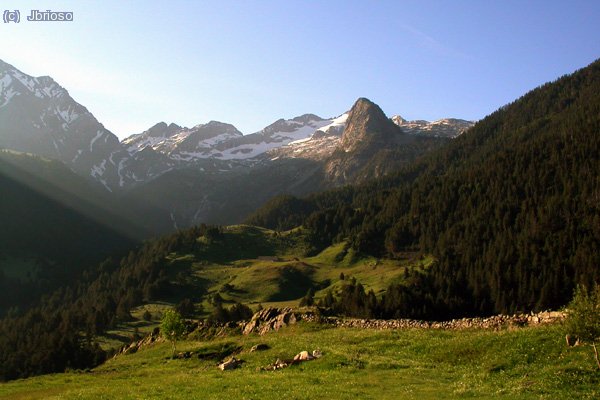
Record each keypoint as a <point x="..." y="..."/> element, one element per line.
<point x="135" y="63"/>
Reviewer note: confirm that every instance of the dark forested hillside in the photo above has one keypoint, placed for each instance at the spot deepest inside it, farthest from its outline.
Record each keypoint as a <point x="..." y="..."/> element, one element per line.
<point x="60" y="331"/>
<point x="48" y="233"/>
<point x="511" y="208"/>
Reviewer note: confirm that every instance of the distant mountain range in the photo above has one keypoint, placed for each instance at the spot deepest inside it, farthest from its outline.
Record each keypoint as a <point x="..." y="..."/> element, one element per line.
<point x="309" y="153"/>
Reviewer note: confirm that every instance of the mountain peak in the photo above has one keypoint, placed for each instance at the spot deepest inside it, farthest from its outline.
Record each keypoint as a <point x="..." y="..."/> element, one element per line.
<point x="306" y="118"/>
<point x="162" y="130"/>
<point x="367" y="124"/>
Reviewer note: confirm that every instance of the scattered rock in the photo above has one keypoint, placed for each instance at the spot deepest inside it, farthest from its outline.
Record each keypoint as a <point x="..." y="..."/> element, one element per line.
<point x="303" y="356"/>
<point x="298" y="358"/>
<point x="279" y="364"/>
<point x="132" y="348"/>
<point x="259" y="347"/>
<point x="232" y="363"/>
<point x="572" y="340"/>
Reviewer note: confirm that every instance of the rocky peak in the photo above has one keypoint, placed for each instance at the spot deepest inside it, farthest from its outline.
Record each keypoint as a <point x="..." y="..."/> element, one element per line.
<point x="367" y="125"/>
<point x="446" y="128"/>
<point x="157" y="130"/>
<point x="306" y="118"/>
<point x="398" y="120"/>
<point x="212" y="129"/>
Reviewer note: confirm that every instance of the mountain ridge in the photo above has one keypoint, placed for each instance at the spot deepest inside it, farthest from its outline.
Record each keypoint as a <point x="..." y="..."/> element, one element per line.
<point x="71" y="134"/>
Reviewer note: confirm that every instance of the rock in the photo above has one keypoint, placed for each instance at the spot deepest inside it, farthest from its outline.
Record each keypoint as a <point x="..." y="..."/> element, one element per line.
<point x="303" y="356"/>
<point x="572" y="340"/>
<point x="259" y="347"/>
<point x="279" y="364"/>
<point x="273" y="319"/>
<point x="232" y="363"/>
<point x="132" y="348"/>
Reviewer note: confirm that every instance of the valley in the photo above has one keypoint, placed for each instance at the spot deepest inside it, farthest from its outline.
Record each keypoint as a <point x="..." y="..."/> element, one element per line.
<point x="386" y="232"/>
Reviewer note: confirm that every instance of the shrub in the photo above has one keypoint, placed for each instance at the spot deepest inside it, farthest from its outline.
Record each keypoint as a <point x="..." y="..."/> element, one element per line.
<point x="172" y="327"/>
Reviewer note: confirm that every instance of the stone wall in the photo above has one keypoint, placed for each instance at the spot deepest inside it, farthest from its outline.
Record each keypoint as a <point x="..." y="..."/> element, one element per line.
<point x="275" y="318"/>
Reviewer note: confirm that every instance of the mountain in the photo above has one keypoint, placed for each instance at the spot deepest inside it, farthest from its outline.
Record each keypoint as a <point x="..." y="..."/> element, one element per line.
<point x="360" y="145"/>
<point x="183" y="144"/>
<point x="372" y="145"/>
<point x="221" y="141"/>
<point x="54" y="226"/>
<point x="39" y="116"/>
<point x="510" y="209"/>
<point x="367" y="126"/>
<point x="230" y="173"/>
<point x="447" y="127"/>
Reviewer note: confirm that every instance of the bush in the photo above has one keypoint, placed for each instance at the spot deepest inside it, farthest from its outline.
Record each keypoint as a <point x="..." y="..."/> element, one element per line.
<point x="172" y="327"/>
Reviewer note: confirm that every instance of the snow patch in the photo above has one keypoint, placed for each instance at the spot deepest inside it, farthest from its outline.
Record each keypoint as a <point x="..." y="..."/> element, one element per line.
<point x="98" y="170"/>
<point x="98" y="134"/>
<point x="119" y="169"/>
<point x="77" y="155"/>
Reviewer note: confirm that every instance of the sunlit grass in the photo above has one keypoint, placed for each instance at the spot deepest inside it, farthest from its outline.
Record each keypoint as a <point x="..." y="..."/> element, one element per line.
<point x="529" y="363"/>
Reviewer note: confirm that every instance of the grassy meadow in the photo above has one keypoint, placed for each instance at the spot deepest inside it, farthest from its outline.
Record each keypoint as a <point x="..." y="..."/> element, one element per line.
<point x="523" y="363"/>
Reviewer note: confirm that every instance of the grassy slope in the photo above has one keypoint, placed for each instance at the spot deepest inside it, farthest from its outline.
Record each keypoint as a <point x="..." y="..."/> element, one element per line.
<point x="234" y="261"/>
<point x="529" y="363"/>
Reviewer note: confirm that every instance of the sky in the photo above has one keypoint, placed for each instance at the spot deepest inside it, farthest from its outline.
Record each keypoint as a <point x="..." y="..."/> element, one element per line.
<point x="249" y="63"/>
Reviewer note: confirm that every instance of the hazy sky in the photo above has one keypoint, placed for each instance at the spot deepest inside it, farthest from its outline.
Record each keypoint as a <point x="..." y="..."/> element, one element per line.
<point x="135" y="63"/>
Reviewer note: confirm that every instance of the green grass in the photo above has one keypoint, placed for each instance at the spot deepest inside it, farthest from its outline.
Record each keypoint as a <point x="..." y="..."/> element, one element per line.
<point x="528" y="363"/>
<point x="254" y="266"/>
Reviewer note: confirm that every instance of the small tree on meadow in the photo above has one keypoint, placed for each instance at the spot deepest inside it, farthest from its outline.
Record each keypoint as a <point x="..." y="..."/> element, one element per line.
<point x="583" y="318"/>
<point x="172" y="327"/>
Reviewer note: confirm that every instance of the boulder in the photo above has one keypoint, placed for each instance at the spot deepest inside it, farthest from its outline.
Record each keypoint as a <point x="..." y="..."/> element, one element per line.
<point x="279" y="364"/>
<point x="232" y="363"/>
<point x="303" y="356"/>
<point x="271" y="319"/>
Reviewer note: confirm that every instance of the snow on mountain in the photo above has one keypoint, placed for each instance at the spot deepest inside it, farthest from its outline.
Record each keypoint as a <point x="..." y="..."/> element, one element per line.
<point x="447" y="127"/>
<point x="217" y="140"/>
<point x="38" y="116"/>
<point x="317" y="146"/>
<point x="185" y="144"/>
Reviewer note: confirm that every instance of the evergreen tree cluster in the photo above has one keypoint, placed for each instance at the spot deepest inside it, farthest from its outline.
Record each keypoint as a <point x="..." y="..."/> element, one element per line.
<point x="60" y="332"/>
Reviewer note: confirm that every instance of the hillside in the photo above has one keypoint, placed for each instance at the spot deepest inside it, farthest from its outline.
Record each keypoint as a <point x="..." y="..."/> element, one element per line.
<point x="205" y="268"/>
<point x="171" y="177"/>
<point x="510" y="208"/>
<point x="526" y="363"/>
<point x="54" y="225"/>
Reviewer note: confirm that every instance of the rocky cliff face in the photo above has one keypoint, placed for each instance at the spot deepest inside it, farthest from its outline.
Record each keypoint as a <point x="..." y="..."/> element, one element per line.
<point x="39" y="116"/>
<point x="367" y="126"/>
